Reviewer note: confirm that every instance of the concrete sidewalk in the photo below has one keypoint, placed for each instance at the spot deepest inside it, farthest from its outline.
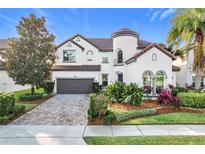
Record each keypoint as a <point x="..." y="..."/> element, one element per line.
<point x="72" y="135"/>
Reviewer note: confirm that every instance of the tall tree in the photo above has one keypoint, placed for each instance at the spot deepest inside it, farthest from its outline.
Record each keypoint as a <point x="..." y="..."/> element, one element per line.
<point x="31" y="56"/>
<point x="188" y="28"/>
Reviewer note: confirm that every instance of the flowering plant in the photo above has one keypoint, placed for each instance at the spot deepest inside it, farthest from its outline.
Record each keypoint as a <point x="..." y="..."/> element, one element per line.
<point x="147" y="89"/>
<point x="166" y="98"/>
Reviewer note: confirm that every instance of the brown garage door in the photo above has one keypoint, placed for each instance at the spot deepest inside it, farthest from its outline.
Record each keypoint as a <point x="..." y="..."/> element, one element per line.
<point x="74" y="86"/>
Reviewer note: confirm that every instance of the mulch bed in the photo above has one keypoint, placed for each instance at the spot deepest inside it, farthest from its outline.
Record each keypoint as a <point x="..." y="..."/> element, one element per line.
<point x="127" y="107"/>
<point x="145" y="105"/>
<point x="39" y="101"/>
<point x="173" y="110"/>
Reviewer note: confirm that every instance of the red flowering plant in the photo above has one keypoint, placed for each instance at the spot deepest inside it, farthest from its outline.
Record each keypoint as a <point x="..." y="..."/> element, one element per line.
<point x="166" y="98"/>
<point x="147" y="89"/>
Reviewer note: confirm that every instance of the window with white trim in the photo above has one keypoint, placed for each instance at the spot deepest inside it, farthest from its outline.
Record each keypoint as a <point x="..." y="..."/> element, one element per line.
<point x="69" y="56"/>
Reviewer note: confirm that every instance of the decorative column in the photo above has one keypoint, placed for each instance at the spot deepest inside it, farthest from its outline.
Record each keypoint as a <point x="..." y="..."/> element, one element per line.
<point x="154" y="86"/>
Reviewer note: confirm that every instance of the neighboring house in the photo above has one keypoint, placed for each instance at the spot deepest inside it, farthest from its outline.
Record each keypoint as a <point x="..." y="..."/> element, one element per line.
<point x="124" y="57"/>
<point x="6" y="83"/>
<point x="186" y="76"/>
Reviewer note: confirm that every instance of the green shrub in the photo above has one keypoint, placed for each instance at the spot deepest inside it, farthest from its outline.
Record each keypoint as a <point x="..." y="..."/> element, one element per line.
<point x="191" y="99"/>
<point x="96" y="87"/>
<point x="176" y="90"/>
<point x="19" y="109"/>
<point x="116" y="92"/>
<point x="7" y="103"/>
<point x="30" y="97"/>
<point x="98" y="105"/>
<point x="109" y="117"/>
<point x="133" y="94"/>
<point x="118" y="116"/>
<point x="48" y="87"/>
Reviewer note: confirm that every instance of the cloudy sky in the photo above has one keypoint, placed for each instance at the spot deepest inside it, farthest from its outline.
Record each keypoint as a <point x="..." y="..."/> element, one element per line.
<point x="152" y="24"/>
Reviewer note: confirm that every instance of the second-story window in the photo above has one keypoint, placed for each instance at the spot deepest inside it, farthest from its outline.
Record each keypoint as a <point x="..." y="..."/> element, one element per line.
<point x="89" y="55"/>
<point x="120" y="56"/>
<point x="69" y="56"/>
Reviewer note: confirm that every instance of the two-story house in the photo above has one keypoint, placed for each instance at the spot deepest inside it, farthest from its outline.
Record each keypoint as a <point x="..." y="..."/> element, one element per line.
<point x="6" y="83"/>
<point x="186" y="76"/>
<point x="124" y="57"/>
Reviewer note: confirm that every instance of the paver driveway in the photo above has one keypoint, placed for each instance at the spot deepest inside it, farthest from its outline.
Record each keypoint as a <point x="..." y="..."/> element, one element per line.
<point x="58" y="110"/>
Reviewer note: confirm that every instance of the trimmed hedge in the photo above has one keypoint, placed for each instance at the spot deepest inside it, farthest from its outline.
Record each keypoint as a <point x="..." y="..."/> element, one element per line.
<point x="116" y="116"/>
<point x="30" y="97"/>
<point x="18" y="109"/>
<point x="7" y="103"/>
<point x="191" y="99"/>
<point x="177" y="90"/>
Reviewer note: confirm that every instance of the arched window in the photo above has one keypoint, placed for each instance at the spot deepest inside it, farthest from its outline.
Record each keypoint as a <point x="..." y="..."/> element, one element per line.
<point x="120" y="56"/>
<point x="147" y="78"/>
<point x="147" y="81"/>
<point x="89" y="55"/>
<point x="160" y="79"/>
<point x="154" y="57"/>
<point x="89" y="52"/>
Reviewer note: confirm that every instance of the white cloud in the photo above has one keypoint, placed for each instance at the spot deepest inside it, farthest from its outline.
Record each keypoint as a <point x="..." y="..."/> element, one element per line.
<point x="166" y="13"/>
<point x="7" y="18"/>
<point x="39" y="12"/>
<point x="155" y="15"/>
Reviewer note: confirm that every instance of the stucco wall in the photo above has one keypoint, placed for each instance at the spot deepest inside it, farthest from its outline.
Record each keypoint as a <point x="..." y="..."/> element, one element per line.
<point x="7" y="84"/>
<point x="128" y="44"/>
<point x="144" y="63"/>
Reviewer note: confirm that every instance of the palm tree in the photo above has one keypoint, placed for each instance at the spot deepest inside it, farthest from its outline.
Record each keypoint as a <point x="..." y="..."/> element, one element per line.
<point x="188" y="30"/>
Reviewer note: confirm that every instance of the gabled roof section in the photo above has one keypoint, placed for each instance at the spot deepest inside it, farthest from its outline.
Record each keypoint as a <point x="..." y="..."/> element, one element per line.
<point x="138" y="54"/>
<point x="70" y="40"/>
<point x="77" y="35"/>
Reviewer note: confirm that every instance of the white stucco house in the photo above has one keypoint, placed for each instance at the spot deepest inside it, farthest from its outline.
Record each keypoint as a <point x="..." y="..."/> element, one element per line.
<point x="124" y="56"/>
<point x="186" y="76"/>
<point x="6" y="83"/>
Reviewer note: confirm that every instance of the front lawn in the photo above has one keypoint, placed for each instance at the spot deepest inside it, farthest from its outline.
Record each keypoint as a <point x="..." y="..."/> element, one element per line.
<point x="146" y="140"/>
<point x="28" y="107"/>
<point x="25" y="91"/>
<point x="170" y="118"/>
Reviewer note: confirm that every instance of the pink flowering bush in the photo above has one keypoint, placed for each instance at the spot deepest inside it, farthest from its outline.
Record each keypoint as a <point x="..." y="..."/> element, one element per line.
<point x="166" y="98"/>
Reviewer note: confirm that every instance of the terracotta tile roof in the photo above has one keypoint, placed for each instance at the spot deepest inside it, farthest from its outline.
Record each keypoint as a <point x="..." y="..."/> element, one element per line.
<point x="125" y="31"/>
<point x="76" y="68"/>
<point x="106" y="44"/>
<point x="4" y="43"/>
<point x="103" y="43"/>
<point x="138" y="54"/>
<point x="175" y="68"/>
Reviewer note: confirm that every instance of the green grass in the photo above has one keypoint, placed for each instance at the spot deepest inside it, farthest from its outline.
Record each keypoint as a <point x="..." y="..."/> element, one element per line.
<point x="146" y="140"/>
<point x="170" y="118"/>
<point x="20" y="92"/>
<point x="28" y="107"/>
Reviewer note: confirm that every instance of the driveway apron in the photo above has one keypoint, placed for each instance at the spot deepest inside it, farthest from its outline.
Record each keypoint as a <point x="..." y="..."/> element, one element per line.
<point x="62" y="109"/>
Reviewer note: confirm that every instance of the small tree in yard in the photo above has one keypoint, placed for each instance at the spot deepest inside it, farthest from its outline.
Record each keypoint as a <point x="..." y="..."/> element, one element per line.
<point x="31" y="56"/>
